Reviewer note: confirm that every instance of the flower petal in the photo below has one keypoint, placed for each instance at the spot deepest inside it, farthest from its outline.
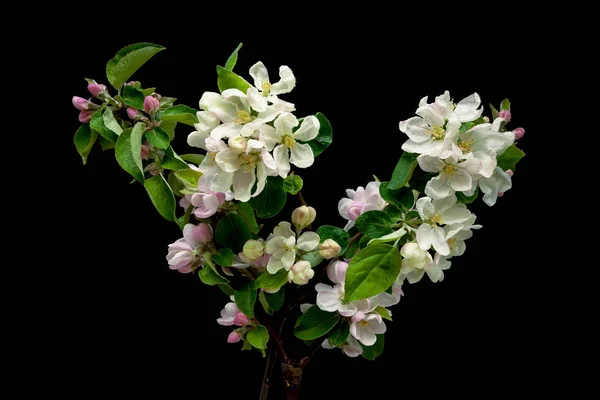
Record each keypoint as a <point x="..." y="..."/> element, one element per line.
<point x="259" y="73"/>
<point x="302" y="155"/>
<point x="243" y="181"/>
<point x="256" y="100"/>
<point x="215" y="103"/>
<point x="461" y="180"/>
<point x="288" y="259"/>
<point x="269" y="136"/>
<point x="228" y="130"/>
<point x="308" y="130"/>
<point x="227" y="160"/>
<point x="286" y="83"/>
<point x="197" y="139"/>
<point x="425" y="236"/>
<point x="284" y="230"/>
<point x="282" y="159"/>
<point x="438" y="240"/>
<point x="308" y="241"/>
<point x="425" y="207"/>
<point x="457" y="214"/>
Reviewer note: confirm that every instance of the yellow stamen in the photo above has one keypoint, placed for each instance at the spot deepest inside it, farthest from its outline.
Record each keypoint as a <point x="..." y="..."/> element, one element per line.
<point x="266" y="88"/>
<point x="436" y="219"/>
<point x="437" y="132"/>
<point x="452" y="242"/>
<point x="449" y="169"/>
<point x="242" y="117"/>
<point x="247" y="161"/>
<point x="465" y="145"/>
<point x="289" y="142"/>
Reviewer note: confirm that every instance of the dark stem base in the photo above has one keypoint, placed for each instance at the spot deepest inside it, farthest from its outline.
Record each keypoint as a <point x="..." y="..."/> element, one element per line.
<point x="292" y="378"/>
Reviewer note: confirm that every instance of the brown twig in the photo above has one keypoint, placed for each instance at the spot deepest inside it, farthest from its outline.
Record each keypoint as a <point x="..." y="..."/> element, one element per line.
<point x="266" y="385"/>
<point x="277" y="340"/>
<point x="355" y="238"/>
<point x="301" y="198"/>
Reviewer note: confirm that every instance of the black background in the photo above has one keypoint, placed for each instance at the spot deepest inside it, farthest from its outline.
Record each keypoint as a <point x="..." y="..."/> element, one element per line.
<point x="126" y="324"/>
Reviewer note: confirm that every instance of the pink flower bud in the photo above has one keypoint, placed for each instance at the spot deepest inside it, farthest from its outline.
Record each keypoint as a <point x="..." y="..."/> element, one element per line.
<point x="203" y="233"/>
<point x="85" y="117"/>
<point x="355" y="210"/>
<point x="80" y="103"/>
<point x="151" y="104"/>
<point x="132" y="113"/>
<point x="145" y="152"/>
<point x="130" y="83"/>
<point x="96" y="89"/>
<point x="234" y="337"/>
<point x="505" y="114"/>
<point x="240" y="319"/>
<point x="336" y="272"/>
<point x="510" y="172"/>
<point x="519" y="132"/>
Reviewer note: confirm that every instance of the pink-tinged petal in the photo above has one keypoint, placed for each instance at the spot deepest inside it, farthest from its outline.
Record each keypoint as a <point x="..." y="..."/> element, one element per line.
<point x="347" y="310"/>
<point x="336" y="272"/>
<point x="343" y="207"/>
<point x="240" y="319"/>
<point x="234" y="337"/>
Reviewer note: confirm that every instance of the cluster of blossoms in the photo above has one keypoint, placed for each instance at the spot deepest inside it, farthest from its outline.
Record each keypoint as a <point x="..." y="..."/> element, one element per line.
<point x="250" y="136"/>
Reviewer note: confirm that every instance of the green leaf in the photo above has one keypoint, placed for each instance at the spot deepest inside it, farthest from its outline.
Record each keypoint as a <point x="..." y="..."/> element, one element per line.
<point x="246" y="211"/>
<point x="394" y="212"/>
<point x="364" y="242"/>
<point x="166" y="102"/>
<point x="314" y="258"/>
<point x="175" y="184"/>
<point x="392" y="237"/>
<point x="267" y="280"/>
<point x="158" y="138"/>
<point x="403" y="171"/>
<point x="271" y="200"/>
<point x="147" y="91"/>
<point x="258" y="337"/>
<point x="494" y="112"/>
<point x="276" y="299"/>
<point x="385" y="314"/>
<point x="372" y="271"/>
<point x="374" y="223"/>
<point x="193" y="158"/>
<point x="510" y="158"/>
<point x="185" y="218"/>
<point x="339" y="235"/>
<point x="224" y="257"/>
<point x="232" y="60"/>
<point x="84" y="139"/>
<point x="128" y="148"/>
<point x="505" y="105"/>
<point x="188" y="178"/>
<point x="128" y="60"/>
<point x="169" y="127"/>
<point x="464" y="199"/>
<point x="181" y="113"/>
<point x="324" y="138"/>
<point x="97" y="124"/>
<point x="162" y="196"/>
<point x="105" y="144"/>
<point x="292" y="184"/>
<point x="372" y="352"/>
<point x="402" y="197"/>
<point x="110" y="121"/>
<point x="339" y="334"/>
<point x="133" y="97"/>
<point x="245" y="299"/>
<point x="263" y="301"/>
<point x="232" y="232"/>
<point x="173" y="163"/>
<point x="230" y="80"/>
<point x="315" y="323"/>
<point x="227" y="289"/>
<point x="209" y="277"/>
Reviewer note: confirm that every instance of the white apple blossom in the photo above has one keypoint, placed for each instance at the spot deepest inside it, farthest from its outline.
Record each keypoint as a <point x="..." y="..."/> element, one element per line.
<point x="207" y="121"/>
<point x="284" y="141"/>
<point x="499" y="182"/>
<point x="360" y="201"/>
<point x="350" y="347"/>
<point x="364" y="327"/>
<point x="186" y="252"/>
<point x="414" y="259"/>
<point x="283" y="246"/>
<point x="331" y="298"/>
<point x="455" y="174"/>
<point x="264" y="91"/>
<point x="434" y="269"/>
<point x="467" y="110"/>
<point x="386" y="299"/>
<point x="232" y="315"/>
<point x="429" y="133"/>
<point x="435" y="213"/>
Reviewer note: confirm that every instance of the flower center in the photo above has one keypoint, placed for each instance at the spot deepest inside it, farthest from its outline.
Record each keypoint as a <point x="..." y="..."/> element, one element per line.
<point x="242" y="117"/>
<point x="437" y="132"/>
<point x="449" y="169"/>
<point x="436" y="219"/>
<point x="452" y="242"/>
<point x="266" y="88"/>
<point x="364" y="323"/>
<point x="289" y="142"/>
<point x="247" y="161"/>
<point x="465" y="145"/>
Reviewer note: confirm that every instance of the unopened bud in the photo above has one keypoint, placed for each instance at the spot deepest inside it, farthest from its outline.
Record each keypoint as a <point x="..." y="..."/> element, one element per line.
<point x="336" y="272"/>
<point x="253" y="249"/>
<point x="486" y="120"/>
<point x="80" y="103"/>
<point x="505" y="114"/>
<point x="85" y="117"/>
<point x="509" y="172"/>
<point x="132" y="113"/>
<point x="303" y="216"/>
<point x="131" y="83"/>
<point x="238" y="144"/>
<point x="151" y="104"/>
<point x="329" y="249"/>
<point x="301" y="273"/>
<point x="519" y="132"/>
<point x="234" y="337"/>
<point x="97" y="90"/>
<point x="203" y="233"/>
<point x="240" y="319"/>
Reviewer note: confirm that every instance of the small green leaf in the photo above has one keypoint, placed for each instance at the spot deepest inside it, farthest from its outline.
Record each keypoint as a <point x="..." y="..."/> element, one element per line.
<point x="105" y="144"/>
<point x="246" y="211"/>
<point x="364" y="242"/>
<point x="193" y="158"/>
<point x="188" y="178"/>
<point x="510" y="158"/>
<point x="185" y="218"/>
<point x="339" y="334"/>
<point x="245" y="299"/>
<point x="181" y="113"/>
<point x="263" y="301"/>
<point x="169" y="127"/>
<point x="276" y="299"/>
<point x="394" y="212"/>
<point x="505" y="105"/>
<point x="173" y="163"/>
<point x="372" y="352"/>
<point x="315" y="323"/>
<point x="464" y="199"/>
<point x="374" y="223"/>
<point x="209" y="277"/>
<point x="162" y="196"/>
<point x="175" y="184"/>
<point x="271" y="200"/>
<point x="166" y="102"/>
<point x="402" y="197"/>
<point x="133" y="97"/>
<point x="227" y="289"/>
<point x="128" y="151"/>
<point x="292" y="184"/>
<point x="84" y="139"/>
<point x="233" y="232"/>
<point x="97" y="124"/>
<point x="258" y="337"/>
<point x="224" y="257"/>
<point x="110" y="121"/>
<point x="325" y="136"/>
<point x="128" y="60"/>
<point x="385" y="314"/>
<point x="230" y="80"/>
<point x="314" y="258"/>
<point x="147" y="92"/>
<point x="403" y="171"/>
<point x="232" y="60"/>
<point x="158" y="138"/>
<point x="267" y="280"/>
<point x="372" y="271"/>
<point x="339" y="235"/>
<point x="494" y="112"/>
